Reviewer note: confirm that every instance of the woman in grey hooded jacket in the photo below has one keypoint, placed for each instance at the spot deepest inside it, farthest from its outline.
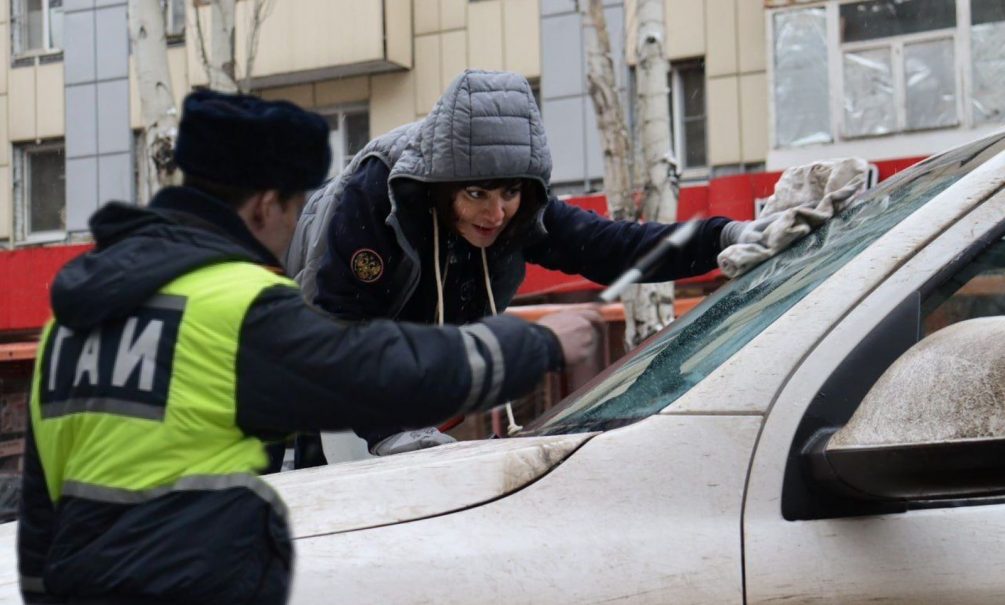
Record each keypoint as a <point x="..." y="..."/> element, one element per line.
<point x="434" y="222"/>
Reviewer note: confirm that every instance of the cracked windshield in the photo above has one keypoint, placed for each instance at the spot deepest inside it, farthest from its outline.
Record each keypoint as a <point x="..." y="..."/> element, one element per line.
<point x="694" y="346"/>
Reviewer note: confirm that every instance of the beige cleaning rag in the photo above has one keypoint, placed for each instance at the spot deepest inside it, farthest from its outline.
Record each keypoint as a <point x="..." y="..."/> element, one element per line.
<point x="805" y="197"/>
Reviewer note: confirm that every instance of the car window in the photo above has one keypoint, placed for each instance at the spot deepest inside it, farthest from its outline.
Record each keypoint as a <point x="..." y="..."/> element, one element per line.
<point x="977" y="290"/>
<point x="672" y="362"/>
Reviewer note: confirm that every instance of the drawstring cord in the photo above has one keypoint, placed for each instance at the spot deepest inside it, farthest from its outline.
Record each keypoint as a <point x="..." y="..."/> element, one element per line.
<point x="513" y="427"/>
<point x="436" y="269"/>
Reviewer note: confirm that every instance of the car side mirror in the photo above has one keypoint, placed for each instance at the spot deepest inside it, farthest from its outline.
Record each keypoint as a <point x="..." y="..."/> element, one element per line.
<point x="933" y="425"/>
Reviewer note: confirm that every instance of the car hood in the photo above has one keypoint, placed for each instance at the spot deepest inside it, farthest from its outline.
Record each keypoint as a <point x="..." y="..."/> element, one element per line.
<point x="405" y="487"/>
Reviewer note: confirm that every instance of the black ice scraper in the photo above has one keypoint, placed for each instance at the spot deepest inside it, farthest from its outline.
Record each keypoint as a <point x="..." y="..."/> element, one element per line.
<point x="642" y="267"/>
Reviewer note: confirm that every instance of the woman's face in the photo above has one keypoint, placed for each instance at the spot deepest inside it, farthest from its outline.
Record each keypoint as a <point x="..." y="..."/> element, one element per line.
<point x="482" y="214"/>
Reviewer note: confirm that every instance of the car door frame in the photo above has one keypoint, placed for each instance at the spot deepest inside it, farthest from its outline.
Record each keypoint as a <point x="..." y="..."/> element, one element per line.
<point x="913" y="556"/>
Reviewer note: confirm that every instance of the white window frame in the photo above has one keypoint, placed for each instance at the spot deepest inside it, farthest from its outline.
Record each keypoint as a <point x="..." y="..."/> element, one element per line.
<point x="896" y="45"/>
<point x="18" y="15"/>
<point x="22" y="194"/>
<point x="677" y="99"/>
<point x="340" y="157"/>
<point x="170" y="6"/>
<point x="900" y="142"/>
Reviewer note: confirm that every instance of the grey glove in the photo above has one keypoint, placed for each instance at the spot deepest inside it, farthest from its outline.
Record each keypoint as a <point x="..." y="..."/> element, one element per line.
<point x="745" y="232"/>
<point x="409" y="441"/>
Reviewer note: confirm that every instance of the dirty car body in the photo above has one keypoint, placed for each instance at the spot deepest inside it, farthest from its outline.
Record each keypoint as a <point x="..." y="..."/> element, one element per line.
<point x="681" y="474"/>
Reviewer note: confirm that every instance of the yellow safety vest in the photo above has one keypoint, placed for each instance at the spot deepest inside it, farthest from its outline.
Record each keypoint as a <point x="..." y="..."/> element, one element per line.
<point x="145" y="405"/>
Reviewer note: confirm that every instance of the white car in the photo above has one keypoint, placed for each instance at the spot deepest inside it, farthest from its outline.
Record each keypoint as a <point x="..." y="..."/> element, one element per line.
<point x="704" y="467"/>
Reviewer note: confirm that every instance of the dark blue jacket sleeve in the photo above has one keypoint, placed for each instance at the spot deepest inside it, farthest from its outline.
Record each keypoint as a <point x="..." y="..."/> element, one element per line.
<point x="299" y="370"/>
<point x="357" y="231"/>
<point x="36" y="524"/>
<point x="583" y="243"/>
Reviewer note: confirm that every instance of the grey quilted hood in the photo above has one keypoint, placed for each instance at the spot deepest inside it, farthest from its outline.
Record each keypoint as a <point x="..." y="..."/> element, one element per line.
<point x="486" y="125"/>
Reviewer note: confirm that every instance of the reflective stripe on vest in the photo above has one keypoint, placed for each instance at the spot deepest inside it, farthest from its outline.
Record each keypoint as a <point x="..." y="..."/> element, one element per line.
<point x="145" y="405"/>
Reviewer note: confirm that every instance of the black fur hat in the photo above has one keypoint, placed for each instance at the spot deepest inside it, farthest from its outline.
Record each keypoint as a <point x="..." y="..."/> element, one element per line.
<point x="243" y="141"/>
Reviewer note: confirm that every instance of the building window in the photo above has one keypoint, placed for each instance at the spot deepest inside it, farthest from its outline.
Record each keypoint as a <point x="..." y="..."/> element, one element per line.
<point x="898" y="66"/>
<point x="687" y="113"/>
<point x="853" y="69"/>
<point x="39" y="192"/>
<point x="801" y="87"/>
<point x="37" y="26"/>
<point x="987" y="51"/>
<point x="174" y="19"/>
<point x="349" y="132"/>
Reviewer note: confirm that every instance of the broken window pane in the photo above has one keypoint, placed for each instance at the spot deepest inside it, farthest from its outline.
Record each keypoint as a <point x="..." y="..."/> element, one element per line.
<point x="357" y="135"/>
<point x="930" y="78"/>
<point x="884" y="18"/>
<point x="33" y="26"/>
<point x="868" y="93"/>
<point x="47" y="190"/>
<point x="988" y="51"/>
<point x="55" y="24"/>
<point x="801" y="89"/>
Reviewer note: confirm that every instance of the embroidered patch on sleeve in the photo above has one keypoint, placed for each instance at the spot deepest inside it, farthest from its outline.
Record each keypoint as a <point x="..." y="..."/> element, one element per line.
<point x="367" y="265"/>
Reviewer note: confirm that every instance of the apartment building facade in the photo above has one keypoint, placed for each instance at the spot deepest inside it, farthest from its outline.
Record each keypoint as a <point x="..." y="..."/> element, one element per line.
<point x="754" y="86"/>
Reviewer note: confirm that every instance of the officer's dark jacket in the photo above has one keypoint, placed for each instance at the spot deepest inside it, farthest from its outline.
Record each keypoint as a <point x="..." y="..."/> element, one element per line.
<point x="364" y="245"/>
<point x="296" y="370"/>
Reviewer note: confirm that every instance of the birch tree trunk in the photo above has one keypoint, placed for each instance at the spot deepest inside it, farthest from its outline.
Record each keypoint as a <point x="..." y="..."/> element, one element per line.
<point x="219" y="59"/>
<point x="157" y="106"/>
<point x="651" y="308"/>
<point x="603" y="90"/>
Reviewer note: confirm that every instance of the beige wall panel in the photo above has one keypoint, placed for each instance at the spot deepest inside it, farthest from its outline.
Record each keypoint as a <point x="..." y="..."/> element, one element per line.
<point x="21" y="104"/>
<point x="453" y="56"/>
<point x="337" y="92"/>
<point x="522" y="37"/>
<point x="685" y="24"/>
<point x="485" y="36"/>
<point x="427" y="73"/>
<point x="135" y="115"/>
<point x="750" y="35"/>
<point x="313" y="34"/>
<point x="4" y="11"/>
<point x="4" y="56"/>
<point x="6" y="193"/>
<point x="4" y="146"/>
<point x="723" y="121"/>
<point x="301" y="94"/>
<point x="392" y="102"/>
<point x="754" y="117"/>
<point x="51" y="109"/>
<point x="453" y="14"/>
<point x="720" y="32"/>
<point x="398" y="24"/>
<point x="426" y="16"/>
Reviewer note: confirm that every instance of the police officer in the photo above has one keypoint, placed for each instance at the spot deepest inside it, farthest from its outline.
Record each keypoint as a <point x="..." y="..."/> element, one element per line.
<point x="179" y="349"/>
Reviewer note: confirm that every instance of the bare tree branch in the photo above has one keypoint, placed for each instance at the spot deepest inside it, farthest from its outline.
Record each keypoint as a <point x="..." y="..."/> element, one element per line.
<point x="218" y="62"/>
<point x="260" y="12"/>
<point x="603" y="91"/>
<point x="201" y="38"/>
<point x="651" y="306"/>
<point x="157" y="107"/>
